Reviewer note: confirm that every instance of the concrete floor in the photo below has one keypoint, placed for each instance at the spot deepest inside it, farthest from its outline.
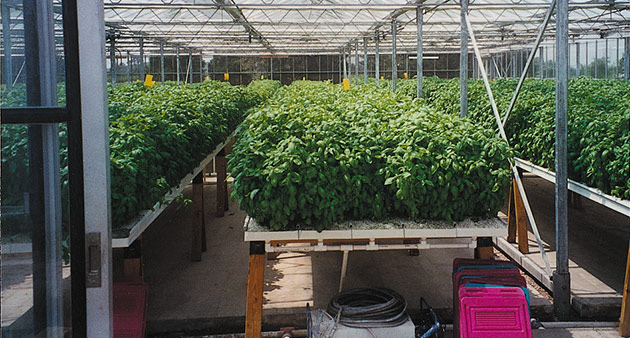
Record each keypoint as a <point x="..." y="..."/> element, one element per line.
<point x="598" y="246"/>
<point x="209" y="296"/>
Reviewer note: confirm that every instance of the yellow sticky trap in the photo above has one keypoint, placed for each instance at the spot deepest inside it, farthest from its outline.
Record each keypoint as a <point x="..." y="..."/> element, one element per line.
<point x="148" y="81"/>
<point x="382" y="78"/>
<point x="303" y="78"/>
<point x="262" y="77"/>
<point x="207" y="78"/>
<point x="226" y="77"/>
<point x="346" y="84"/>
<point x="405" y="76"/>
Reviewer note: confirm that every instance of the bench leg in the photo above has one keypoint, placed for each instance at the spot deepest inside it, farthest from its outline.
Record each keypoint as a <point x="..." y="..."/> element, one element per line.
<point x="255" y="281"/>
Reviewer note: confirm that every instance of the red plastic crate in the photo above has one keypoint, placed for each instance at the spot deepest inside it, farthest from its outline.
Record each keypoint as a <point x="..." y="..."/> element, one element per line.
<point x="493" y="312"/>
<point x="130" y="305"/>
<point x="457" y="262"/>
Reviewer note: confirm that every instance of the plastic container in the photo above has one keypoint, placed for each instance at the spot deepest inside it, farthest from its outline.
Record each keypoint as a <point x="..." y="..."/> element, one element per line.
<point x="130" y="305"/>
<point x="491" y="312"/>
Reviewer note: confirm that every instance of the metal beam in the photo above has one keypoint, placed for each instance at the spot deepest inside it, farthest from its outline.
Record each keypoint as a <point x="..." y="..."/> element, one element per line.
<point x="6" y="41"/>
<point x="626" y="71"/>
<point x="419" y="19"/>
<point x="141" y="42"/>
<point x="162" y="75"/>
<point x="561" y="276"/>
<point x="394" y="63"/>
<point x="236" y="13"/>
<point x="365" y="61"/>
<point x="463" y="62"/>
<point x="377" y="74"/>
<point x="515" y="173"/>
<point x="356" y="61"/>
<point x="112" y="58"/>
<point x="529" y="61"/>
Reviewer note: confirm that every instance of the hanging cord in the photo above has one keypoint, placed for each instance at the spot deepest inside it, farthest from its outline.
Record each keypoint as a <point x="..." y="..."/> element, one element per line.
<point x="361" y="308"/>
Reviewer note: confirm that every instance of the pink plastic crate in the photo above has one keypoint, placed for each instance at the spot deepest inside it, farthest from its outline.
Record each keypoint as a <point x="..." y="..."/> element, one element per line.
<point x="493" y="313"/>
<point x="457" y="262"/>
<point x="487" y="276"/>
<point x="130" y="304"/>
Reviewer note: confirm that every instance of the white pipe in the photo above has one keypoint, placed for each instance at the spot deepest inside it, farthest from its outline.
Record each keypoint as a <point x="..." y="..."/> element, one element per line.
<point x="563" y="325"/>
<point x="320" y="247"/>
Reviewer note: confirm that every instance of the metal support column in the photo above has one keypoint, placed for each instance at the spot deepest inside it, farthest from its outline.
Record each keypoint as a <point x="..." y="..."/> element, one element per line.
<point x="596" y="70"/>
<point x="162" y="75"/>
<point x="561" y="276"/>
<point x="345" y="65"/>
<point x="365" y="61"/>
<point x="626" y="59"/>
<point x="419" y="20"/>
<point x="577" y="59"/>
<point x="541" y="62"/>
<point x="606" y="60"/>
<point x="394" y="65"/>
<point x="586" y="54"/>
<point x="340" y="74"/>
<point x="356" y="62"/>
<point x="6" y="41"/>
<point x="271" y="68"/>
<point x="128" y="67"/>
<point x="201" y="66"/>
<point x="190" y="66"/>
<point x="112" y="58"/>
<point x="377" y="70"/>
<point x="141" y="43"/>
<point x="463" y="62"/>
<point x="178" y="65"/>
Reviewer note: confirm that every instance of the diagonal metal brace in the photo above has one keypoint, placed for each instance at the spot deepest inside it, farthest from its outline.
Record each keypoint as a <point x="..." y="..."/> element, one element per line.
<point x="497" y="117"/>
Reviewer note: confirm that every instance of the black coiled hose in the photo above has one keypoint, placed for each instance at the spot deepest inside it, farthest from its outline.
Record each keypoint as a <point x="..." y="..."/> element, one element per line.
<point x="378" y="307"/>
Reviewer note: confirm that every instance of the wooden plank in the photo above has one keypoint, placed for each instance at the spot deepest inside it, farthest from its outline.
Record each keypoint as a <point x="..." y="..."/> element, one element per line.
<point x="521" y="221"/>
<point x="624" y="320"/>
<point x="511" y="237"/>
<point x="255" y="281"/>
<point x="197" y="197"/>
<point x="221" y="184"/>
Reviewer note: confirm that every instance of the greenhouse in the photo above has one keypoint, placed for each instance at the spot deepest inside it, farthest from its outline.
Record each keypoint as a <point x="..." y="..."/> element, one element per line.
<point x="321" y="168"/>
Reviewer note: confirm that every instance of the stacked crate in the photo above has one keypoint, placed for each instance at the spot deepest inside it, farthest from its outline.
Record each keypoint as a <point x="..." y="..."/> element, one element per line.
<point x="490" y="299"/>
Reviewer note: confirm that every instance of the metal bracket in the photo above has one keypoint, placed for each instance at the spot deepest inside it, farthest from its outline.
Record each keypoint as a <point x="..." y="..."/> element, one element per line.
<point x="93" y="247"/>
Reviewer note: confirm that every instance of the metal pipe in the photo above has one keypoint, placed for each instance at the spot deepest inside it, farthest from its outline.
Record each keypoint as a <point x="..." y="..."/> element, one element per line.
<point x="6" y="40"/>
<point x="162" y="75"/>
<point x="178" y="63"/>
<point x="365" y="61"/>
<point x="394" y="63"/>
<point x="271" y="68"/>
<point x="419" y="19"/>
<point x="517" y="178"/>
<point x="586" y="54"/>
<point x="595" y="72"/>
<point x="356" y="62"/>
<point x="626" y="72"/>
<point x="190" y="66"/>
<point x="463" y="62"/>
<point x="345" y="66"/>
<point x="112" y="58"/>
<point x="561" y="276"/>
<point x="141" y="46"/>
<point x="577" y="59"/>
<point x="539" y="38"/>
<point x="377" y="74"/>
<point x="606" y="60"/>
<point x="128" y="67"/>
<point x="340" y="74"/>
<point x="201" y="66"/>
<point x="540" y="62"/>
